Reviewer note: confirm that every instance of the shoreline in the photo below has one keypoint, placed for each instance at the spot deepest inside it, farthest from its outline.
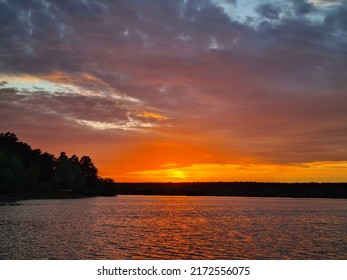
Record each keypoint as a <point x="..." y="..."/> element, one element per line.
<point x="237" y="189"/>
<point x="218" y="189"/>
<point x="34" y="196"/>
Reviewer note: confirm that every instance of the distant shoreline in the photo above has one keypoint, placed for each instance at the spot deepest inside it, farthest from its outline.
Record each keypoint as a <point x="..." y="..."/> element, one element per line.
<point x="236" y="189"/>
<point x="245" y="189"/>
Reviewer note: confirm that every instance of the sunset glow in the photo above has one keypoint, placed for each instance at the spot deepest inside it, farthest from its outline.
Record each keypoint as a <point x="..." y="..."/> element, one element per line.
<point x="173" y="91"/>
<point x="321" y="171"/>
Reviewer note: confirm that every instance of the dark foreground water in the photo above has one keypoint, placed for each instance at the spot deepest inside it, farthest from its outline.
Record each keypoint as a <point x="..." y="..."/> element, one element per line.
<point x="142" y="227"/>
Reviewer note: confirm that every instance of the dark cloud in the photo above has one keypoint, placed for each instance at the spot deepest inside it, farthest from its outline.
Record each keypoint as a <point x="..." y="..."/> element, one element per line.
<point x="205" y="12"/>
<point x="6" y="15"/>
<point x="302" y="7"/>
<point x="269" y="11"/>
<point x="338" y="17"/>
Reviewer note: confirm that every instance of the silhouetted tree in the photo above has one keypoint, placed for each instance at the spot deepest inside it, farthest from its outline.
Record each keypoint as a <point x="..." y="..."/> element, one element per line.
<point x="11" y="164"/>
<point x="47" y="163"/>
<point x="88" y="168"/>
<point x="23" y="169"/>
<point x="67" y="175"/>
<point x="75" y="160"/>
<point x="8" y="138"/>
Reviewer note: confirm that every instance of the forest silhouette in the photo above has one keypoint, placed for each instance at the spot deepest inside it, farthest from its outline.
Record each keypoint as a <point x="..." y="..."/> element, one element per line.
<point x="30" y="173"/>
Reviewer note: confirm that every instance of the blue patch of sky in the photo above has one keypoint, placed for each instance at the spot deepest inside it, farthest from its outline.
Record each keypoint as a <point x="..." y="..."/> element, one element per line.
<point x="30" y="84"/>
<point x="245" y="11"/>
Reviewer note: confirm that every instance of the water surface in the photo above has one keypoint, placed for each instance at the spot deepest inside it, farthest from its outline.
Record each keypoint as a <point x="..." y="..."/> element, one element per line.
<point x="158" y="227"/>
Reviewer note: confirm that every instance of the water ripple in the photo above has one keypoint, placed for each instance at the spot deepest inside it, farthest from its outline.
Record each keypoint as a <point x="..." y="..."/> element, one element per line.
<point x="132" y="227"/>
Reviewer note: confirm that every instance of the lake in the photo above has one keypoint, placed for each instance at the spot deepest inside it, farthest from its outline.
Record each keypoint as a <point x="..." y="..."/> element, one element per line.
<point x="174" y="227"/>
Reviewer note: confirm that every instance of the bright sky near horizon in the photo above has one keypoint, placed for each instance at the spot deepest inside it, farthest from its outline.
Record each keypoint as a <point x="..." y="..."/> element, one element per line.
<point x="183" y="90"/>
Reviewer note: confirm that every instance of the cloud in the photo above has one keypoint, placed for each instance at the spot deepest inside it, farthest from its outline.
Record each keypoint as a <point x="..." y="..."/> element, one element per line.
<point x="325" y="3"/>
<point x="261" y="82"/>
<point x="99" y="112"/>
<point x="302" y="7"/>
<point x="269" y="11"/>
<point x="337" y="18"/>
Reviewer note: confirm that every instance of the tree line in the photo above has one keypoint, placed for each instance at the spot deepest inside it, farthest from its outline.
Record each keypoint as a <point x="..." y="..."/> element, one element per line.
<point x="247" y="189"/>
<point x="27" y="170"/>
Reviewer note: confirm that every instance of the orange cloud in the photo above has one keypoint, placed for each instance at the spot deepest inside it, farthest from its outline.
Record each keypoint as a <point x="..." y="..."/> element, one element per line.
<point x="152" y="115"/>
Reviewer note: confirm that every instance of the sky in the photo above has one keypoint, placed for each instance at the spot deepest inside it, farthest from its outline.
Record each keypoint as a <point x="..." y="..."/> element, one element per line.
<point x="180" y="90"/>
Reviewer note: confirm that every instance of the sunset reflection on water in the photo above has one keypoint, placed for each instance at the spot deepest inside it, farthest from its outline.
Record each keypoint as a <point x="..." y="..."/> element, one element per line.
<point x="154" y="227"/>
